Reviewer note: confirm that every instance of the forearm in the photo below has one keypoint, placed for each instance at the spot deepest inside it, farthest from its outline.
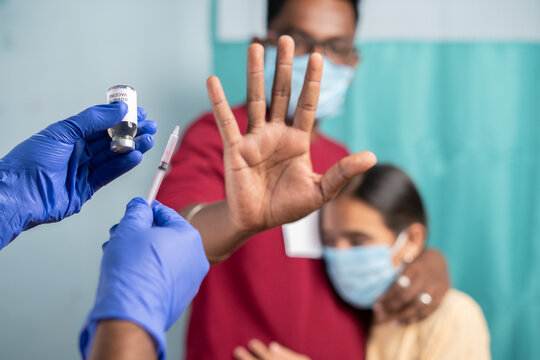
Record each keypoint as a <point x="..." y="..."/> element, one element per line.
<point x="219" y="234"/>
<point x="120" y="339"/>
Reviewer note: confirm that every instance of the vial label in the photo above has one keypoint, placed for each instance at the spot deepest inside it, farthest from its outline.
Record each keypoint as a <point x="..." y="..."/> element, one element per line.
<point x="128" y="95"/>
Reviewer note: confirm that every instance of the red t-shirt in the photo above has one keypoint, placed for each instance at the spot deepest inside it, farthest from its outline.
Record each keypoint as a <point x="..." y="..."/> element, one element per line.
<point x="258" y="292"/>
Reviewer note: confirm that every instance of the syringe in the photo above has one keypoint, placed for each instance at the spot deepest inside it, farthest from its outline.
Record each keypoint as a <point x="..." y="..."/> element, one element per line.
<point x="163" y="165"/>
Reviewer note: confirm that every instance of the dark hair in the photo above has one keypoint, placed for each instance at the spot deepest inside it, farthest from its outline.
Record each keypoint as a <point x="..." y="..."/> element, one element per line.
<point x="390" y="191"/>
<point x="275" y="6"/>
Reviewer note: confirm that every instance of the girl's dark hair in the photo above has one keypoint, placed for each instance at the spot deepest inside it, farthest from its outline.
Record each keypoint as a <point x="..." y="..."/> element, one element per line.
<point x="275" y="6"/>
<point x="390" y="191"/>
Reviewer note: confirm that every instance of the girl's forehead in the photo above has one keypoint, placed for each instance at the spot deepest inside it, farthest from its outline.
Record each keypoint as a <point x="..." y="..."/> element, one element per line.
<point x="348" y="211"/>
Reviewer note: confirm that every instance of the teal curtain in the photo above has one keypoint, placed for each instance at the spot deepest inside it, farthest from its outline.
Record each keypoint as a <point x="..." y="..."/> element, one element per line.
<point x="463" y="119"/>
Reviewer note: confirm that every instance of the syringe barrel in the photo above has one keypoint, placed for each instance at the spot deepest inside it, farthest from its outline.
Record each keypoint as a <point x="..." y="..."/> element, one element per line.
<point x="171" y="145"/>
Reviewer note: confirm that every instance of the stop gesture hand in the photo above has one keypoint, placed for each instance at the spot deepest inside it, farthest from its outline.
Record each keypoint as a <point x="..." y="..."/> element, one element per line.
<point x="268" y="172"/>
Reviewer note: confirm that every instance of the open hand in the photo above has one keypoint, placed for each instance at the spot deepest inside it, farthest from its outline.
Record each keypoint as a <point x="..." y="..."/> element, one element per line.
<point x="268" y="173"/>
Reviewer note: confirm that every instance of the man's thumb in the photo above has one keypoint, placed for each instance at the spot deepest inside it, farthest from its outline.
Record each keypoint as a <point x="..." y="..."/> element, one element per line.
<point x="343" y="171"/>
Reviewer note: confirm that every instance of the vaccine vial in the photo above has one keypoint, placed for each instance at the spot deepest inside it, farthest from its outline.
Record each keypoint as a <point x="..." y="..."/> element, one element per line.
<point x="122" y="134"/>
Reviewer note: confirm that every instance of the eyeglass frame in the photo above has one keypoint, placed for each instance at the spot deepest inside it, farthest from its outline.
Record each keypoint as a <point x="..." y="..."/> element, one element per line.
<point x="312" y="44"/>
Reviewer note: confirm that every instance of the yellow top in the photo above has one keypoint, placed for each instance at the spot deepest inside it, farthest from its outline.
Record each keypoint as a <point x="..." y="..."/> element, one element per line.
<point x="456" y="330"/>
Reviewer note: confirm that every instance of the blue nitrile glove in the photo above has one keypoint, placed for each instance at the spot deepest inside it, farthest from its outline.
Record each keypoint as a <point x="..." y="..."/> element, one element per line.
<point x="152" y="267"/>
<point x="53" y="173"/>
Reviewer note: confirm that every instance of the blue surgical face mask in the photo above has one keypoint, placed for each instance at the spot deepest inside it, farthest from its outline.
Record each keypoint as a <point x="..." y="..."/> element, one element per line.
<point x="361" y="274"/>
<point x="335" y="82"/>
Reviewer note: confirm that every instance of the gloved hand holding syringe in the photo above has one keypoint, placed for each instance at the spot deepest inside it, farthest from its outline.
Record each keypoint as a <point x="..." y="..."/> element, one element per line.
<point x="163" y="165"/>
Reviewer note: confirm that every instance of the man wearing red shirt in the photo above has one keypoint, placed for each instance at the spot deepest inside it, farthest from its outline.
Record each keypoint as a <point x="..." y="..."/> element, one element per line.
<point x="238" y="182"/>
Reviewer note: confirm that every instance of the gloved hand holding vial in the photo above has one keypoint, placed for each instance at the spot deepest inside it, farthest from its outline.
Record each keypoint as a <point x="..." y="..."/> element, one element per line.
<point x="53" y="173"/>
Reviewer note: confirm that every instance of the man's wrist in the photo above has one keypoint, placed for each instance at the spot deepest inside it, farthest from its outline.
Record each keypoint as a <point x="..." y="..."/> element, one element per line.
<point x="219" y="233"/>
<point x="240" y="234"/>
<point x="122" y="339"/>
<point x="150" y="324"/>
<point x="192" y="213"/>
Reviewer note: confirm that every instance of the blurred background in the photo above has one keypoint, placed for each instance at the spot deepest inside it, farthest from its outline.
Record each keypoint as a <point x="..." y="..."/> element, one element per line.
<point x="448" y="90"/>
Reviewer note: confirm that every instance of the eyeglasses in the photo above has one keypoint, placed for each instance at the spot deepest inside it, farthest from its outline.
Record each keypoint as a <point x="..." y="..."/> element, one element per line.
<point x="339" y="50"/>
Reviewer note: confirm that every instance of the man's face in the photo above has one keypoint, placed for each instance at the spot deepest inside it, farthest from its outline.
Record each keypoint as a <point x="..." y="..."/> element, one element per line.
<point x="326" y="26"/>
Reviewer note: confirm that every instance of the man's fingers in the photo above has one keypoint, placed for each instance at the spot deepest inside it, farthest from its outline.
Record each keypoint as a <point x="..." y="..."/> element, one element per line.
<point x="379" y="316"/>
<point x="396" y="298"/>
<point x="414" y="310"/>
<point x="258" y="348"/>
<point x="241" y="353"/>
<point x="422" y="310"/>
<point x="411" y="309"/>
<point x="437" y="296"/>
<point x="281" y="89"/>
<point x="307" y="103"/>
<point x="343" y="171"/>
<point x="228" y="127"/>
<point x="408" y="314"/>
<point x="256" y="101"/>
<point x="285" y="353"/>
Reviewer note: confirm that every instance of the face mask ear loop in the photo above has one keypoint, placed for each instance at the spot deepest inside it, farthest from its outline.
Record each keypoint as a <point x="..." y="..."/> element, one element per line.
<point x="401" y="240"/>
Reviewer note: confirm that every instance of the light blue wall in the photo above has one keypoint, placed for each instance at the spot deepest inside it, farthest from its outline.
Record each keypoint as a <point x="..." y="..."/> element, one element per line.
<point x="57" y="58"/>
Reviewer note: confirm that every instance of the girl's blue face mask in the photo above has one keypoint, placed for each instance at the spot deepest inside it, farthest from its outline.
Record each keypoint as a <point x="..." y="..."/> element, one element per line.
<point x="361" y="274"/>
<point x="335" y="82"/>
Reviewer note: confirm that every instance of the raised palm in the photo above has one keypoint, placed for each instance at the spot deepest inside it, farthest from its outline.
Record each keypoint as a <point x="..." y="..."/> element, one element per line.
<point x="268" y="173"/>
